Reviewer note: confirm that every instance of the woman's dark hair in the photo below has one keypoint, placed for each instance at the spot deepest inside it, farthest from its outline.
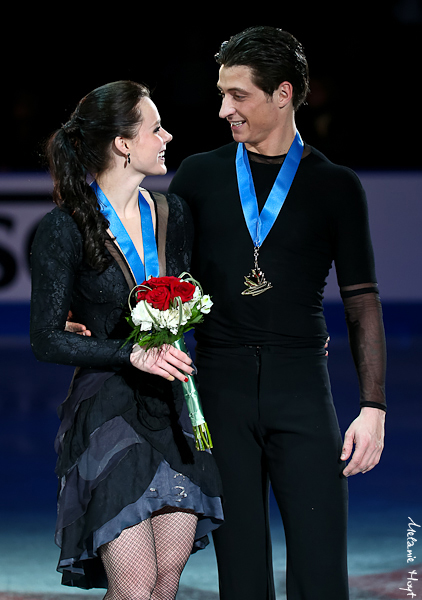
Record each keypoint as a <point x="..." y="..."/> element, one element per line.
<point x="273" y="55"/>
<point x="82" y="148"/>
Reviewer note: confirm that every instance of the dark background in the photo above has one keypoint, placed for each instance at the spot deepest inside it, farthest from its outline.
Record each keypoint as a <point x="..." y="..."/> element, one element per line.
<point x="364" y="60"/>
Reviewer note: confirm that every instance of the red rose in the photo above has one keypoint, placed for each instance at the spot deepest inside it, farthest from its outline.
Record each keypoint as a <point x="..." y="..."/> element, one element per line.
<point x="141" y="295"/>
<point x="155" y="282"/>
<point x="159" y="297"/>
<point x="142" y="291"/>
<point x="184" y="289"/>
<point x="173" y="286"/>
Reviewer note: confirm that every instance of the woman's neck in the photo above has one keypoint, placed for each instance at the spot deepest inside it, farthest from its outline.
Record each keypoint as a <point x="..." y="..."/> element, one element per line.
<point x="121" y="190"/>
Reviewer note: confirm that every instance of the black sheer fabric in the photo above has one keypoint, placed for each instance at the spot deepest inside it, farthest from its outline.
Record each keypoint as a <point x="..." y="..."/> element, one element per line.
<point x="273" y="160"/>
<point x="266" y="160"/>
<point x="363" y="312"/>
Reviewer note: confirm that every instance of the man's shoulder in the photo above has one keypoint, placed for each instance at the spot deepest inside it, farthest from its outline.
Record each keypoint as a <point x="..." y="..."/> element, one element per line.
<point x="326" y="168"/>
<point x="322" y="161"/>
<point x="201" y="172"/>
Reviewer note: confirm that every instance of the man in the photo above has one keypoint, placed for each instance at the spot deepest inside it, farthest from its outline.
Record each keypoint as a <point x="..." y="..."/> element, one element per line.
<point x="262" y="366"/>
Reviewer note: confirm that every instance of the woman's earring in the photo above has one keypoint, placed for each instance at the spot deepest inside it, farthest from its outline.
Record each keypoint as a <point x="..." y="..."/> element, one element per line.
<point x="128" y="158"/>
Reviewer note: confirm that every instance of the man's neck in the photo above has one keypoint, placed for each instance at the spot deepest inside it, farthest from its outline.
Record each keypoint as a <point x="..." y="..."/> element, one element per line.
<point x="277" y="143"/>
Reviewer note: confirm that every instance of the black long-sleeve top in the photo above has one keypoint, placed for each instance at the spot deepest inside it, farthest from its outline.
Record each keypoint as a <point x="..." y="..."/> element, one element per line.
<point x="63" y="281"/>
<point x="324" y="220"/>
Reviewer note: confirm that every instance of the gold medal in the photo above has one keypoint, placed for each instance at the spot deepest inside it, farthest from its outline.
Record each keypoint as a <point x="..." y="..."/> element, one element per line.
<point x="260" y="223"/>
<point x="255" y="282"/>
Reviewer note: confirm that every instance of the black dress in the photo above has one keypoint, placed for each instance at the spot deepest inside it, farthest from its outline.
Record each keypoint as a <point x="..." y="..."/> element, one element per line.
<point x="125" y="445"/>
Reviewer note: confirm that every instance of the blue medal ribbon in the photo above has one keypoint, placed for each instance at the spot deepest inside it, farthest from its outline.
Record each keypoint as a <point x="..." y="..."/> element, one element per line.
<point x="259" y="225"/>
<point x="140" y="271"/>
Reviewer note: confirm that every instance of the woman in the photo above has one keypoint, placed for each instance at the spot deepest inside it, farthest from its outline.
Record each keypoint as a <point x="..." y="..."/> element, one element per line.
<point x="135" y="497"/>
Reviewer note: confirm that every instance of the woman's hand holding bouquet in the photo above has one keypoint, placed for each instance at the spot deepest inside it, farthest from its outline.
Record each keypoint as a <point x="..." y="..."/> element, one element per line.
<point x="162" y="310"/>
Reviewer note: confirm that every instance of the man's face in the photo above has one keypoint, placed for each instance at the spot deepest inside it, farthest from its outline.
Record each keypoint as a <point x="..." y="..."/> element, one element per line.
<point x="254" y="117"/>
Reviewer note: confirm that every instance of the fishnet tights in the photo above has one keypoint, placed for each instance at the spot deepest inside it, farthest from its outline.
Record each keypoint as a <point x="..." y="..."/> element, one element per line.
<point x="146" y="561"/>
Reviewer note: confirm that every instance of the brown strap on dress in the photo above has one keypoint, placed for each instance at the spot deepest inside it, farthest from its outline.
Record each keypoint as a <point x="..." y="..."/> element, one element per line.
<point x="121" y="261"/>
<point x="162" y="212"/>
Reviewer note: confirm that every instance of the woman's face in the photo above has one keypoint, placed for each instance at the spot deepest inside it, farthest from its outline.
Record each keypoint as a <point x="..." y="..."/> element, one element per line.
<point x="147" y="149"/>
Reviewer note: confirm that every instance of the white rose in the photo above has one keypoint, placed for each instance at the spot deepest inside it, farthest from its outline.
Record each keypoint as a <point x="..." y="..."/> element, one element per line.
<point x="205" y="304"/>
<point x="141" y="317"/>
<point x="170" y="319"/>
<point x="186" y="312"/>
<point x="196" y="295"/>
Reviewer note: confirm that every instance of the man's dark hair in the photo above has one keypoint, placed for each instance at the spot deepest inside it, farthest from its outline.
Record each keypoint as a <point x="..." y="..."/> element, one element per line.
<point x="273" y="55"/>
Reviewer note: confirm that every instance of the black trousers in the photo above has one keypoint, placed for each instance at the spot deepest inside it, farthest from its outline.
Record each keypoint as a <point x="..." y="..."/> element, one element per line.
<point x="272" y="420"/>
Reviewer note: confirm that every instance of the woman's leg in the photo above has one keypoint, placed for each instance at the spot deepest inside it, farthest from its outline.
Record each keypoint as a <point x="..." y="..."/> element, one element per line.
<point x="174" y="534"/>
<point x="130" y="563"/>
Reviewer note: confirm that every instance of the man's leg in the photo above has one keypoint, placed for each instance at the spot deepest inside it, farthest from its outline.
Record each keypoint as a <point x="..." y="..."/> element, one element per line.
<point x="228" y="384"/>
<point x="303" y="445"/>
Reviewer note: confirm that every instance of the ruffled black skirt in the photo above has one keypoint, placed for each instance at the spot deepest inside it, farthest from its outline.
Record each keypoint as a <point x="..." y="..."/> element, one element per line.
<point x="125" y="450"/>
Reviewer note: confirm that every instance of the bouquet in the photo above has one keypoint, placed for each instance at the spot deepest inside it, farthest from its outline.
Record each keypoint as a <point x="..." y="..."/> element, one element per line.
<point x="164" y="309"/>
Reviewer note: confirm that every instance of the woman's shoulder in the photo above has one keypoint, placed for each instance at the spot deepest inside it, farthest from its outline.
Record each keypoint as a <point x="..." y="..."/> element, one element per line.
<point x="58" y="217"/>
<point x="57" y="229"/>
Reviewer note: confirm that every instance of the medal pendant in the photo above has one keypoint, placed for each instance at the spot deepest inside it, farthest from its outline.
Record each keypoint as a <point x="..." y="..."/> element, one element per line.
<point x="255" y="282"/>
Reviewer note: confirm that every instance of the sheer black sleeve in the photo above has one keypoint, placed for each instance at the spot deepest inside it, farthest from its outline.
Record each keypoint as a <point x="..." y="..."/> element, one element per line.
<point x="55" y="262"/>
<point x="367" y="341"/>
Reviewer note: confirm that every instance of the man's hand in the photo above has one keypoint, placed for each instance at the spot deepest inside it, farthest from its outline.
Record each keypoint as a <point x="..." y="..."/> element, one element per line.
<point x="76" y="327"/>
<point x="366" y="433"/>
<point x="326" y="345"/>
